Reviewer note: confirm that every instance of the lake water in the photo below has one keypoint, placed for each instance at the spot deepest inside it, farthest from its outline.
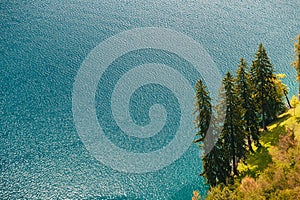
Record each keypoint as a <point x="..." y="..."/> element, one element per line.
<point x="43" y="45"/>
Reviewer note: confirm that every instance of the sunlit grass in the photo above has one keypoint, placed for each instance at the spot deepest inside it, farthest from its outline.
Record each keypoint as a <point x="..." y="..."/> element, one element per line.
<point x="256" y="162"/>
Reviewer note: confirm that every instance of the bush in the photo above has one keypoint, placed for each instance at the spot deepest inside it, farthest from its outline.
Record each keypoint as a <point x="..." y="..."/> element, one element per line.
<point x="280" y="180"/>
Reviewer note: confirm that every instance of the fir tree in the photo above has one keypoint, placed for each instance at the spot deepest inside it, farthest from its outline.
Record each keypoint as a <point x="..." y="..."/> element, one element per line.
<point x="233" y="135"/>
<point x="265" y="92"/>
<point x="276" y="105"/>
<point x="203" y="110"/>
<point x="216" y="168"/>
<point x="249" y="109"/>
<point x="282" y="88"/>
<point x="296" y="63"/>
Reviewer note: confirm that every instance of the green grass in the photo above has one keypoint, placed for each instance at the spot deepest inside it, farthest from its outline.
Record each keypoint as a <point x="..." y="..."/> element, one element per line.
<point x="258" y="161"/>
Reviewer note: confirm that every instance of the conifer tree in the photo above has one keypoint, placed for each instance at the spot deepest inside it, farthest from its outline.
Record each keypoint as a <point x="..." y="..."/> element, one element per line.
<point x="203" y="111"/>
<point x="282" y="88"/>
<point x="277" y="94"/>
<point x="216" y="169"/>
<point x="296" y="63"/>
<point x="262" y="79"/>
<point x="216" y="165"/>
<point x="233" y="135"/>
<point x="249" y="111"/>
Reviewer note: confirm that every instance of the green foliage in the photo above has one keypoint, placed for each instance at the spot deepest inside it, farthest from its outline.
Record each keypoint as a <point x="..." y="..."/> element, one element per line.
<point x="266" y="94"/>
<point x="220" y="162"/>
<point x="233" y="134"/>
<point x="282" y="89"/>
<point x="271" y="168"/>
<point x="212" y="159"/>
<point x="296" y="62"/>
<point x="280" y="179"/>
<point x="256" y="163"/>
<point x="221" y="192"/>
<point x="203" y="110"/>
<point x="294" y="101"/>
<point x="267" y="172"/>
<point x="288" y="194"/>
<point x="216" y="168"/>
<point x="249" y="109"/>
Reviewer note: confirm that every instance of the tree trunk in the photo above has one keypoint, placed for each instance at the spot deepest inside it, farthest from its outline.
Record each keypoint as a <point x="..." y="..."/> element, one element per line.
<point x="287" y="99"/>
<point x="263" y="118"/>
<point x="249" y="144"/>
<point x="299" y="88"/>
<point x="234" y="167"/>
<point x="263" y="106"/>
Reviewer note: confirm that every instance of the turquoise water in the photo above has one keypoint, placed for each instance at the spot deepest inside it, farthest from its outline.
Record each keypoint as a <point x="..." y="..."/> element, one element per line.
<point x="43" y="44"/>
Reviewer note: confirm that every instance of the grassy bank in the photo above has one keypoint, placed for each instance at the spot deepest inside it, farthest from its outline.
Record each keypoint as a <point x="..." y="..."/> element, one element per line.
<point x="257" y="162"/>
<point x="273" y="170"/>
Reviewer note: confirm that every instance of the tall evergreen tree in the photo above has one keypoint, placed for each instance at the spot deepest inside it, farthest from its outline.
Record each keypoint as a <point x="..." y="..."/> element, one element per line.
<point x="203" y="111"/>
<point x="233" y="135"/>
<point x="262" y="79"/>
<point x="296" y="63"/>
<point x="282" y="88"/>
<point x="249" y="109"/>
<point x="215" y="168"/>
<point x="276" y="106"/>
